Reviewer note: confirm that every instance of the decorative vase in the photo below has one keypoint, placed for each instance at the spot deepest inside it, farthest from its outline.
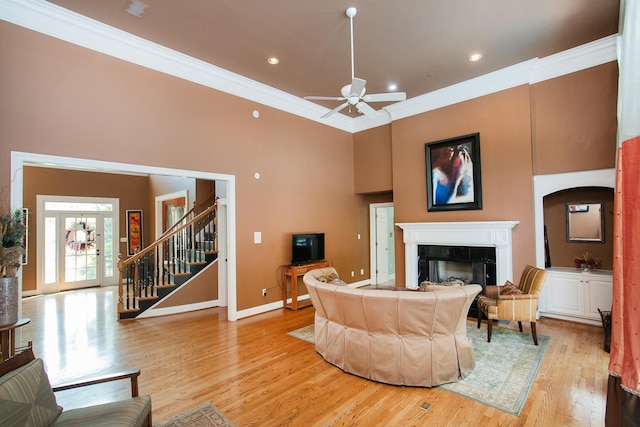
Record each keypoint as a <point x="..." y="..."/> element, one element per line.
<point x="8" y="301"/>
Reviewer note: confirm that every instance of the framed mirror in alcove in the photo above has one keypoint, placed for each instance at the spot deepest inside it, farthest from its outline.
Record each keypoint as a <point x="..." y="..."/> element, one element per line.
<point x="585" y="222"/>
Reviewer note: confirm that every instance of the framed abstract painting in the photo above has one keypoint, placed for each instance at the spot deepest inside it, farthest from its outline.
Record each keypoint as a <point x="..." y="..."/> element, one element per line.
<point x="134" y="231"/>
<point x="453" y="174"/>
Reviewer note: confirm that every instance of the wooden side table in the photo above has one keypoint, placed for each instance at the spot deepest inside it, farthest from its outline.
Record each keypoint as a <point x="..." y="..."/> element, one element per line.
<point x="293" y="272"/>
<point x="8" y="338"/>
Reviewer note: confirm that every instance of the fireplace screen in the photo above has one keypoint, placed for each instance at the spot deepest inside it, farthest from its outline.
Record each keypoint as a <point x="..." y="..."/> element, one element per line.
<point x="470" y="264"/>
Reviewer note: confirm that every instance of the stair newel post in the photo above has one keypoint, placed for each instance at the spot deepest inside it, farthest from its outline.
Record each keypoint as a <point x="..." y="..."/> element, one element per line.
<point x="120" y="285"/>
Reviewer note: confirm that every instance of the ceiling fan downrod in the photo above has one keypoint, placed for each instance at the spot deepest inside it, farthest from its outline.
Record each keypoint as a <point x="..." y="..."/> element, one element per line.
<point x="351" y="12"/>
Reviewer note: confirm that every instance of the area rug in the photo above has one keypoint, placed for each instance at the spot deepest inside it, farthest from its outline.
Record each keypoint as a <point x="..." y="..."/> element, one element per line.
<point x="505" y="368"/>
<point x="205" y="415"/>
<point x="305" y="334"/>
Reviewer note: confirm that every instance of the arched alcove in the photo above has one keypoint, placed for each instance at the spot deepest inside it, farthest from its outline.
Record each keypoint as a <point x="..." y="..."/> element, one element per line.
<point x="592" y="226"/>
<point x="544" y="185"/>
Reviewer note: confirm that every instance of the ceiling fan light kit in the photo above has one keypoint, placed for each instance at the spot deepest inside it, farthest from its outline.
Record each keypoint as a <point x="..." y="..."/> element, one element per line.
<point x="354" y="93"/>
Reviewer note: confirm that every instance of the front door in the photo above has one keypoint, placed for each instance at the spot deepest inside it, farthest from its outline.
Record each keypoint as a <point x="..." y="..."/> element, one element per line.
<point x="78" y="243"/>
<point x="80" y="251"/>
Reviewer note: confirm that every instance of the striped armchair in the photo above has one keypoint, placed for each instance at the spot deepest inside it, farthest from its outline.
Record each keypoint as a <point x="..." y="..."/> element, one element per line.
<point x="520" y="306"/>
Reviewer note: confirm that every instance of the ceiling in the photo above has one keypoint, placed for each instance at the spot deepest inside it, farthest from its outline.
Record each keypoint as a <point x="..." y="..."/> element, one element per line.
<point x="421" y="45"/>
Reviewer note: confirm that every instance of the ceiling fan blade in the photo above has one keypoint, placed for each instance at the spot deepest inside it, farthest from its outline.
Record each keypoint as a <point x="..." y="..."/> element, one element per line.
<point x="324" y="98"/>
<point x="357" y="86"/>
<point x="385" y="97"/>
<point x="335" y="110"/>
<point x="365" y="109"/>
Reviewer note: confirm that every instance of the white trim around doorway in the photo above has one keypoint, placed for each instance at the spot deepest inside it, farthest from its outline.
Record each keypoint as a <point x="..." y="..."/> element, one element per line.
<point x="372" y="241"/>
<point x="19" y="159"/>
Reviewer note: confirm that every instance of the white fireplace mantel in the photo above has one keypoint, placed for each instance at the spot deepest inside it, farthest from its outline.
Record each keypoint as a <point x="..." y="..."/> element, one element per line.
<point x="477" y="233"/>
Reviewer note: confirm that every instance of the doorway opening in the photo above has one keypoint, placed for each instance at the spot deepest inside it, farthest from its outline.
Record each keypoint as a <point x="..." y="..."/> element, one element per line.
<point x="382" y="238"/>
<point x="169" y="209"/>
<point x="225" y="188"/>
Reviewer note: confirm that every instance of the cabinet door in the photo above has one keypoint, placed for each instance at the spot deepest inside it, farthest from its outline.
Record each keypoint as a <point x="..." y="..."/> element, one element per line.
<point x="565" y="294"/>
<point x="600" y="296"/>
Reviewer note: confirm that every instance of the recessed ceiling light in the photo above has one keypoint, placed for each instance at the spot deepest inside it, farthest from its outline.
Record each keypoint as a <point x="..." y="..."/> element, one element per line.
<point x="392" y="86"/>
<point x="136" y="8"/>
<point x="273" y="60"/>
<point x="475" y="57"/>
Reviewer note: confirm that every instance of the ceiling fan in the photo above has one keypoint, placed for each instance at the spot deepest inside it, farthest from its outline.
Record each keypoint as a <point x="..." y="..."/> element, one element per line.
<point x="354" y="93"/>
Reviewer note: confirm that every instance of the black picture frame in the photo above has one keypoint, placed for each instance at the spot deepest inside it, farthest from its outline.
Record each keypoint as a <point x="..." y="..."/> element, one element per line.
<point x="454" y="180"/>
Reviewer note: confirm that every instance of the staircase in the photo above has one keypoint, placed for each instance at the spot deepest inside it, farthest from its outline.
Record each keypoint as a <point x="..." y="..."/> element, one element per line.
<point x="171" y="261"/>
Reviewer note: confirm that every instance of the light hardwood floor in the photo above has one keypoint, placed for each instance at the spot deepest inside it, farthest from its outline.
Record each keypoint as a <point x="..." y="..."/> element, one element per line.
<point x="260" y="376"/>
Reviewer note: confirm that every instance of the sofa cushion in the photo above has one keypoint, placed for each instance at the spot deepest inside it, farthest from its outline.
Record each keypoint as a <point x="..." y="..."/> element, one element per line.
<point x="131" y="412"/>
<point x="26" y="398"/>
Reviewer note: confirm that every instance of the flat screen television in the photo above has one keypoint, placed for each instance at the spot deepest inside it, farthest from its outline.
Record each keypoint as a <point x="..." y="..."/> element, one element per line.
<point x="307" y="247"/>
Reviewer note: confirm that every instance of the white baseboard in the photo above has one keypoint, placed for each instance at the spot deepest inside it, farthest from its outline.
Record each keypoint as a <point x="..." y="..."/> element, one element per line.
<point x="154" y="312"/>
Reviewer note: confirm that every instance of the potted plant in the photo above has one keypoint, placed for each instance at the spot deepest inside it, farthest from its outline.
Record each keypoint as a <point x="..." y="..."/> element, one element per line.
<point x="12" y="228"/>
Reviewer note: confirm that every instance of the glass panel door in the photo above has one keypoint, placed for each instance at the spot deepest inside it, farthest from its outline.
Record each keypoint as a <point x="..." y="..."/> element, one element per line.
<point x="80" y="251"/>
<point x="77" y="242"/>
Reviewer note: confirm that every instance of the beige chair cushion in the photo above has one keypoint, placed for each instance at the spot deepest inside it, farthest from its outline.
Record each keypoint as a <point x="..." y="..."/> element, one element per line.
<point x="26" y="398"/>
<point x="130" y="412"/>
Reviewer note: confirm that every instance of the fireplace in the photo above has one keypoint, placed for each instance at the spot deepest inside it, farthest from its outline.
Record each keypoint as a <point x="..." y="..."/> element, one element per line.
<point x="479" y="234"/>
<point x="471" y="264"/>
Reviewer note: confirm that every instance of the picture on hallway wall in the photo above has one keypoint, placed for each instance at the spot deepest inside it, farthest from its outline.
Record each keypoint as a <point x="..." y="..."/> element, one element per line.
<point x="134" y="231"/>
<point x="453" y="174"/>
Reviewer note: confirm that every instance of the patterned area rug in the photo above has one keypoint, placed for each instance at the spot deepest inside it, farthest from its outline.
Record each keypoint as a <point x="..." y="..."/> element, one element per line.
<point x="205" y="415"/>
<point x="505" y="368"/>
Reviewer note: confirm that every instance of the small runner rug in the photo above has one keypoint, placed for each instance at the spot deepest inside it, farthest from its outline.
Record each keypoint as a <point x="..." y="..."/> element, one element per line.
<point x="205" y="415"/>
<point x="505" y="368"/>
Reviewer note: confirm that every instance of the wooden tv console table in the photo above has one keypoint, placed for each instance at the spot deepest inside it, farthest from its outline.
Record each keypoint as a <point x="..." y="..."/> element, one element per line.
<point x="293" y="272"/>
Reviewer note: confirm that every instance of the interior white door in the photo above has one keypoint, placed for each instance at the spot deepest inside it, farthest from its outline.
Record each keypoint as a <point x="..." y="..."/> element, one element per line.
<point x="382" y="246"/>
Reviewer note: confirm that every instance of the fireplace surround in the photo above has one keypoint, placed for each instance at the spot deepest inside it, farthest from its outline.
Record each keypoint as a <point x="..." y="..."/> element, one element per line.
<point x="495" y="234"/>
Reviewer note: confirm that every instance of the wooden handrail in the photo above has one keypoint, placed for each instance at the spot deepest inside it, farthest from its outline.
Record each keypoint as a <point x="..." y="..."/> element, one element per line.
<point x="198" y="204"/>
<point x="166" y="237"/>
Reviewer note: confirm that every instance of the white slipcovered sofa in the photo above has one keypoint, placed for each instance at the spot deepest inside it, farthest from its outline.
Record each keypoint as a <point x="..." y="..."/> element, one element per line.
<point x="396" y="337"/>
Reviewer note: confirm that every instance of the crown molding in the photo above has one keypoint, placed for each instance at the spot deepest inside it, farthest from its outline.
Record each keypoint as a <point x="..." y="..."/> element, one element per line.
<point x="578" y="58"/>
<point x="60" y="23"/>
<point x="500" y="80"/>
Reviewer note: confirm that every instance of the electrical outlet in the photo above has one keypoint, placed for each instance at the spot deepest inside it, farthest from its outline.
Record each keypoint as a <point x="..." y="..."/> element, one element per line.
<point x="362" y="271"/>
<point x="353" y="273"/>
<point x="264" y="292"/>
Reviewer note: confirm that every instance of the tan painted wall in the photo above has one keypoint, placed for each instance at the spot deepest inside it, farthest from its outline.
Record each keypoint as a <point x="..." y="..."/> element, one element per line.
<point x="61" y="182"/>
<point x="372" y="160"/>
<point x="61" y="99"/>
<point x="562" y="252"/>
<point x="574" y="121"/>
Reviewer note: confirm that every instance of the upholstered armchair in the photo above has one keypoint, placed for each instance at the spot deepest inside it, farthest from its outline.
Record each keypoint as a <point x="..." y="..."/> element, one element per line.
<point x="510" y="302"/>
<point x="27" y="398"/>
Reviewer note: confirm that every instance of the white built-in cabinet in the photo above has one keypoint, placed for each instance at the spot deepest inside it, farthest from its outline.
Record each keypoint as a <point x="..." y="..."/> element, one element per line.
<point x="575" y="295"/>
